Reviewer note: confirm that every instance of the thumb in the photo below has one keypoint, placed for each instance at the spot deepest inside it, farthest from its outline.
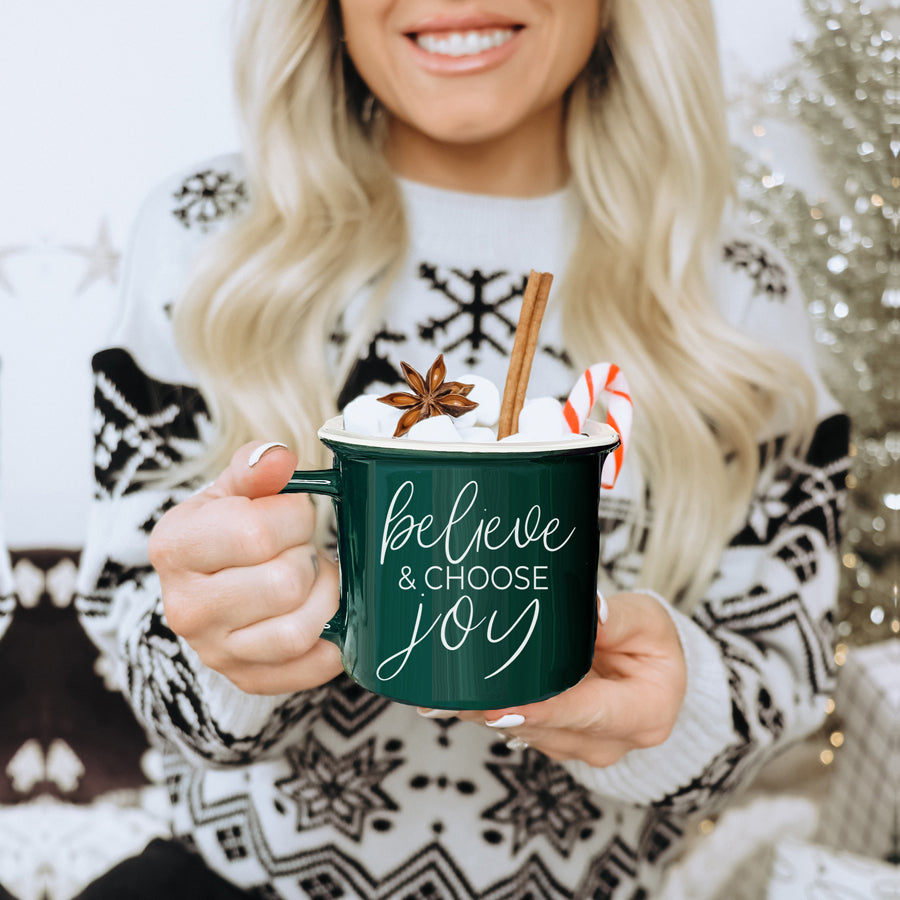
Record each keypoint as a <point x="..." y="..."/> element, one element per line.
<point x="255" y="470"/>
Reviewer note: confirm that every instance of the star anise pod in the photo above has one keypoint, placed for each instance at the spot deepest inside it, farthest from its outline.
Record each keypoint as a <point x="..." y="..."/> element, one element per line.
<point x="431" y="396"/>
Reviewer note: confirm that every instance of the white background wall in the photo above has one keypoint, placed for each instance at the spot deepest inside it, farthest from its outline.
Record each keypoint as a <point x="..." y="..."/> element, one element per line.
<point x="99" y="99"/>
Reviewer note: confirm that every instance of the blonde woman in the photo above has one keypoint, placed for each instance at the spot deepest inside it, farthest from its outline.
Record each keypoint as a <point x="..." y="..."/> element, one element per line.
<point x="406" y="162"/>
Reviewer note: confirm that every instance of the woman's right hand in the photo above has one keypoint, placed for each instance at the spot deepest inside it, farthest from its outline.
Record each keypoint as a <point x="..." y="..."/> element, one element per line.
<point x="242" y="581"/>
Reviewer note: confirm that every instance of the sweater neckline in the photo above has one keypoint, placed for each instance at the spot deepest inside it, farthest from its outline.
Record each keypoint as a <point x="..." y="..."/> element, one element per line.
<point x="420" y="192"/>
<point x="419" y="196"/>
<point x="541" y="228"/>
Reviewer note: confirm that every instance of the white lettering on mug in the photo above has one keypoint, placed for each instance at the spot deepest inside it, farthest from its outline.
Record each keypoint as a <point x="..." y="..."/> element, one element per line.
<point x="535" y="607"/>
<point x="462" y="536"/>
<point x="457" y="623"/>
<point x="400" y="527"/>
<point x="465" y="627"/>
<point x="406" y="651"/>
<point x="480" y="578"/>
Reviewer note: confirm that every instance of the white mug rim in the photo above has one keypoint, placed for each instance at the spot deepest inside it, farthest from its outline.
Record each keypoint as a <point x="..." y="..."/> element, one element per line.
<point x="598" y="436"/>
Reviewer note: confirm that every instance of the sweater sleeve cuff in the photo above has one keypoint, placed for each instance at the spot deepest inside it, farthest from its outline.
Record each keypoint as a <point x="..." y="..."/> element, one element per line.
<point x="233" y="711"/>
<point x="701" y="732"/>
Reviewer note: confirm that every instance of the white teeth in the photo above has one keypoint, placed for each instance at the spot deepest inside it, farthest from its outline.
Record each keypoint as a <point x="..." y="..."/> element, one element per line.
<point x="464" y="43"/>
<point x="472" y="43"/>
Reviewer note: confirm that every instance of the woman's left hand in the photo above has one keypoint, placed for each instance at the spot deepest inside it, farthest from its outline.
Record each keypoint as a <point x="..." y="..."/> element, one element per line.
<point x="630" y="698"/>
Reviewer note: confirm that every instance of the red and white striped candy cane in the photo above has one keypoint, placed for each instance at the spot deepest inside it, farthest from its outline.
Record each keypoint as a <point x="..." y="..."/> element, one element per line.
<point x="608" y="379"/>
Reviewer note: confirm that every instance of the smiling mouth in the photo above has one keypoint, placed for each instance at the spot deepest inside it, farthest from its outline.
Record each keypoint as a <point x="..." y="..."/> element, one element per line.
<point x="463" y="43"/>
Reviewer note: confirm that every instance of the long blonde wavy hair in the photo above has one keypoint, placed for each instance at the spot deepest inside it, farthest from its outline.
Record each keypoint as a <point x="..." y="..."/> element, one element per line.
<point x="650" y="158"/>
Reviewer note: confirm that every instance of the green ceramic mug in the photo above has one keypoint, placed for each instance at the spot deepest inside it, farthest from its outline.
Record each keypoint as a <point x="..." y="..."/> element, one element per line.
<point x="468" y="571"/>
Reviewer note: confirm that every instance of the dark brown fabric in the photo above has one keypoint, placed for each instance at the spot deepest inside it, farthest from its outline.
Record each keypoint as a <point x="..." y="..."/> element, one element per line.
<point x="164" y="871"/>
<point x="50" y="691"/>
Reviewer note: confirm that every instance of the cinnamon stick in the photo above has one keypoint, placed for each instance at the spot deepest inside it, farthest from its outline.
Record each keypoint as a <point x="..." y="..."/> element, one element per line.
<point x="519" y="368"/>
<point x="534" y="328"/>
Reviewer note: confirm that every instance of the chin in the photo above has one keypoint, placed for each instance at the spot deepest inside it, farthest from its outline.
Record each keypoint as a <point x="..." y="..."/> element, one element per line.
<point x="472" y="129"/>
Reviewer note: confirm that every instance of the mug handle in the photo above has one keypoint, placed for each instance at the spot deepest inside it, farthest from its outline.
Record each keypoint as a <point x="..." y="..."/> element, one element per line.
<point x="327" y="482"/>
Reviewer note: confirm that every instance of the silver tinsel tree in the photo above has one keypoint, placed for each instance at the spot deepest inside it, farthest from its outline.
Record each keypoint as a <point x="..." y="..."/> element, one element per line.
<point x="844" y="90"/>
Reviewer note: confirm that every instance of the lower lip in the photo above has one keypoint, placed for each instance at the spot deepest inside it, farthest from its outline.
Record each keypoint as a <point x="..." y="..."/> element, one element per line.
<point x="440" y="64"/>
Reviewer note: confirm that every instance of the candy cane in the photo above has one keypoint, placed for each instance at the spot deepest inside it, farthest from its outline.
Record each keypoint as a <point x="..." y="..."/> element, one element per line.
<point x="608" y="379"/>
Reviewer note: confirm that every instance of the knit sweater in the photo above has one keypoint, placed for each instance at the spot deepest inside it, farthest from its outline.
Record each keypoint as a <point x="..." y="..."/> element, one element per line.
<point x="338" y="792"/>
<point x="8" y="597"/>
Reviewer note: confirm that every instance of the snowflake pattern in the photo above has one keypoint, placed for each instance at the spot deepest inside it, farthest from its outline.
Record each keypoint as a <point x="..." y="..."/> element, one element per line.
<point x="732" y="766"/>
<point x="612" y="871"/>
<point x="336" y="790"/>
<point x="769" y="278"/>
<point x="546" y="824"/>
<point x="140" y="424"/>
<point x="542" y="799"/>
<point x="475" y="305"/>
<point x="113" y="576"/>
<point x="349" y="707"/>
<point x="769" y="503"/>
<point x="8" y="604"/>
<point x="371" y="369"/>
<point x="768" y="714"/>
<point x="799" y="554"/>
<point x="162" y="685"/>
<point x="800" y="492"/>
<point x="659" y="837"/>
<point x="208" y="196"/>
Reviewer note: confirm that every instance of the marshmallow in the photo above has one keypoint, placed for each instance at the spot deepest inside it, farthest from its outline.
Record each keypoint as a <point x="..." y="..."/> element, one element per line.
<point x="365" y="415"/>
<point x="542" y="419"/>
<point x="517" y="438"/>
<point x="477" y="434"/>
<point x="437" y="428"/>
<point x="484" y="392"/>
<point x="522" y="438"/>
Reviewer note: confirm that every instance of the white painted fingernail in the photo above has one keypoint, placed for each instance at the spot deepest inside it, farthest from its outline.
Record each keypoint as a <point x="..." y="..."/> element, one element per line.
<point x="602" y="608"/>
<point x="510" y="721"/>
<point x="438" y="713"/>
<point x="262" y="450"/>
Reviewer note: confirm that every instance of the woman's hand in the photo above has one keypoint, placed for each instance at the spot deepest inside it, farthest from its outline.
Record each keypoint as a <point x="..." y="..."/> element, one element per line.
<point x="630" y="698"/>
<point x="243" y="583"/>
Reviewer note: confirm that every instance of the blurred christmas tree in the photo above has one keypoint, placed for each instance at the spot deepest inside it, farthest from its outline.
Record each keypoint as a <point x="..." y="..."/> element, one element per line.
<point x="845" y="247"/>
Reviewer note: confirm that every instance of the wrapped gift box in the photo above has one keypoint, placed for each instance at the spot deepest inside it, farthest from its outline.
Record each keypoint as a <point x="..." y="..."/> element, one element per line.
<point x="861" y="813"/>
<point x="803" y="870"/>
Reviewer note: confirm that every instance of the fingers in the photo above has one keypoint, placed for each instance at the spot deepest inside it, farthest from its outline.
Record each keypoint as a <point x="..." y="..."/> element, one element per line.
<point x="596" y="721"/>
<point x="594" y="705"/>
<point x="241" y="580"/>
<point x="551" y="734"/>
<point x="239" y="520"/>
<point x="233" y="531"/>
<point x="319" y="664"/>
<point x="236" y="597"/>
<point x="630" y="698"/>
<point x="256" y="470"/>
<point x="284" y="637"/>
<point x="279" y="654"/>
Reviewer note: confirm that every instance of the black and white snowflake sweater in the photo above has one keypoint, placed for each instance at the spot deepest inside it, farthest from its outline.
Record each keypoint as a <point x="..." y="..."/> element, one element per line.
<point x="8" y="597"/>
<point x="336" y="792"/>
